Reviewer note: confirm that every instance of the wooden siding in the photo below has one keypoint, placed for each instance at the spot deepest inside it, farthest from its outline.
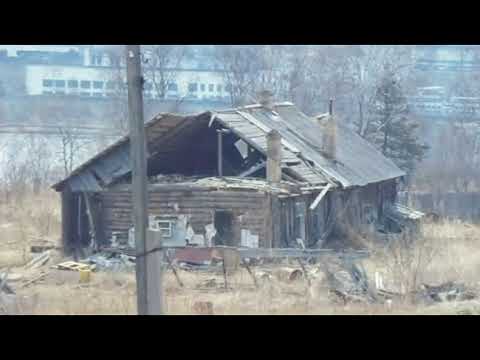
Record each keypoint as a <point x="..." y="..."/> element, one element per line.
<point x="249" y="209"/>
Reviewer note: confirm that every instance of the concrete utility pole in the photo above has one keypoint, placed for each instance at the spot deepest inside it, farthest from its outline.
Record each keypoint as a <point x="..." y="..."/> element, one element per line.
<point x="148" y="268"/>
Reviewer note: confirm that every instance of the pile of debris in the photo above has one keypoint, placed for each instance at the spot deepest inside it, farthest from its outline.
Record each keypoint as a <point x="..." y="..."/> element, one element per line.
<point x="40" y="245"/>
<point x="347" y="282"/>
<point x="169" y="179"/>
<point x="350" y="283"/>
<point x="109" y="261"/>
<point x="449" y="291"/>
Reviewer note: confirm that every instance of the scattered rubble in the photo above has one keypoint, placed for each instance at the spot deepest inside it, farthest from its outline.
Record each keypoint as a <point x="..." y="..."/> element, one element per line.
<point x="4" y="287"/>
<point x="41" y="245"/>
<point x="111" y="262"/>
<point x="39" y="277"/>
<point x="448" y="291"/>
<point x="12" y="277"/>
<point x="38" y="261"/>
<point x="208" y="283"/>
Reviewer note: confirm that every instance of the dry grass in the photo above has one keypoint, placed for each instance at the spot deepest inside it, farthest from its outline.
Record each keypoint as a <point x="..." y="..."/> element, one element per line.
<point x="447" y="251"/>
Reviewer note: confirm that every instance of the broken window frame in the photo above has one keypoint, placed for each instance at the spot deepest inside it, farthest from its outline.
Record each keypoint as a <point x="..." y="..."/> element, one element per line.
<point x="166" y="232"/>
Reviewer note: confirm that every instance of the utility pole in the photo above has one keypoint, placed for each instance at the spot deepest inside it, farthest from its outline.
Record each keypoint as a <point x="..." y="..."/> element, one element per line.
<point x="148" y="266"/>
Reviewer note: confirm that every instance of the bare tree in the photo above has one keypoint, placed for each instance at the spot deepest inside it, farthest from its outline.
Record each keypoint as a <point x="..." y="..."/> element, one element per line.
<point x="72" y="148"/>
<point x="39" y="161"/>
<point x="286" y="71"/>
<point x="365" y="68"/>
<point x="242" y="67"/>
<point x="160" y="67"/>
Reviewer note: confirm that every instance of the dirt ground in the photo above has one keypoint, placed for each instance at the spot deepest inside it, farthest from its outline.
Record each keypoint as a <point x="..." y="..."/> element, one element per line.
<point x="450" y="254"/>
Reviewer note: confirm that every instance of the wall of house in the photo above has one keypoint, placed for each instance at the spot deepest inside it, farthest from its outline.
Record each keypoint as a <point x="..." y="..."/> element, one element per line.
<point x="340" y="214"/>
<point x="249" y="208"/>
<point x="359" y="211"/>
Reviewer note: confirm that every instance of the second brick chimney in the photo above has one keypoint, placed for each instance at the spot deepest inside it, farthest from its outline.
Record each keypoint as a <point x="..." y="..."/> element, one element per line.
<point x="329" y="132"/>
<point x="265" y="99"/>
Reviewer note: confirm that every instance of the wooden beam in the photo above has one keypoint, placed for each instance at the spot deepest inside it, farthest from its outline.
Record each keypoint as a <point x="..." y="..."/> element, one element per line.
<point x="88" y="207"/>
<point x="253" y="169"/>
<point x="320" y="197"/>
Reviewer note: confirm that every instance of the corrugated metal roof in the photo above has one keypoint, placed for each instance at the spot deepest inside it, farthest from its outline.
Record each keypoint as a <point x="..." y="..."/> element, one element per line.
<point x="357" y="162"/>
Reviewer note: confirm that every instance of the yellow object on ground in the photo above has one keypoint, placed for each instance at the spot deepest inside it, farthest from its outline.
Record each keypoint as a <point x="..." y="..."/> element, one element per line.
<point x="85" y="275"/>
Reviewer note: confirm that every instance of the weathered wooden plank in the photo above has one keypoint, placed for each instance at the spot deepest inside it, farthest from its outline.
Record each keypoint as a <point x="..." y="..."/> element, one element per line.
<point x="124" y="190"/>
<point x="190" y="200"/>
<point x="320" y="197"/>
<point x="211" y="206"/>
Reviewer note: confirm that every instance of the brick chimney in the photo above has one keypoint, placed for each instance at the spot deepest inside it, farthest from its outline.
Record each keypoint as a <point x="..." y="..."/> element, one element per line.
<point x="274" y="156"/>
<point x="329" y="132"/>
<point x="266" y="99"/>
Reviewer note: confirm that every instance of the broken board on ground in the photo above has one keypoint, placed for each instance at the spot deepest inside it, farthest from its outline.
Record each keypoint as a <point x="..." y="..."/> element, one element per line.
<point x="73" y="266"/>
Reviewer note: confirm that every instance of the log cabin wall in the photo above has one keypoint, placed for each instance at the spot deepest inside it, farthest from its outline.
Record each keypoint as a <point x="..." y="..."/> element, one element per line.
<point x="359" y="209"/>
<point x="250" y="210"/>
<point x="341" y="212"/>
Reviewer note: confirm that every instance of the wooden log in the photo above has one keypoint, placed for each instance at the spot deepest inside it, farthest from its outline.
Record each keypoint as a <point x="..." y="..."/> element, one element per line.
<point x="35" y="279"/>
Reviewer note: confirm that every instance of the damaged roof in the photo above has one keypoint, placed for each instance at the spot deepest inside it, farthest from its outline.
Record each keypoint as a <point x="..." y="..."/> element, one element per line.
<point x="357" y="162"/>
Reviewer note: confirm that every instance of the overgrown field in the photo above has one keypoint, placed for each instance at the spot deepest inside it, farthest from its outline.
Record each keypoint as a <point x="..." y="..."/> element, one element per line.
<point x="448" y="251"/>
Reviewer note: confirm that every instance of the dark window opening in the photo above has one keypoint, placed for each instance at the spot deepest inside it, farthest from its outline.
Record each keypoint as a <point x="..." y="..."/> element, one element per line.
<point x="223" y="222"/>
<point x="47" y="83"/>
<point x="72" y="83"/>
<point x="202" y="87"/>
<point x="98" y="85"/>
<point x="60" y="83"/>
<point x="192" y="87"/>
<point x="211" y="87"/>
<point x="85" y="84"/>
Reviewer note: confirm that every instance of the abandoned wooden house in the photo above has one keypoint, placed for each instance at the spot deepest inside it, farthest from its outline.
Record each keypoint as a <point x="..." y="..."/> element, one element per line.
<point x="262" y="175"/>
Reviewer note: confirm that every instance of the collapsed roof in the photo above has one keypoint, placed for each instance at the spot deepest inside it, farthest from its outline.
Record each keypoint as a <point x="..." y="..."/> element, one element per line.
<point x="357" y="162"/>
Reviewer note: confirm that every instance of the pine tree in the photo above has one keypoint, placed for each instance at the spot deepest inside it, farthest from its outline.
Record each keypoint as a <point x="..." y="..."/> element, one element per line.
<point x="391" y="129"/>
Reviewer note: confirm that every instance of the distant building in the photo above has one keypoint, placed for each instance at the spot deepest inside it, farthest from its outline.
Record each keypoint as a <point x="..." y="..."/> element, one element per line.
<point x="92" y="81"/>
<point x="447" y="57"/>
<point x="89" y="71"/>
